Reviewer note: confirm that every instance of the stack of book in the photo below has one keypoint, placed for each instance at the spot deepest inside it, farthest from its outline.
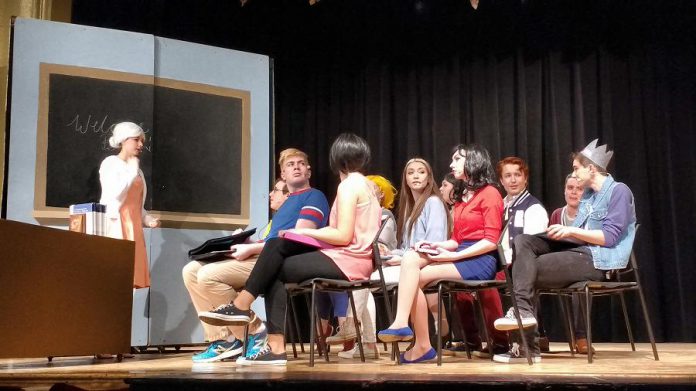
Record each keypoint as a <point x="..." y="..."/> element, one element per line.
<point x="89" y="218"/>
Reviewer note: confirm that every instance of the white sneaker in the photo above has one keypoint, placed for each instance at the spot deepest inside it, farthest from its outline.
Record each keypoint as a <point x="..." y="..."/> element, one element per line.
<point x="516" y="356"/>
<point x="355" y="352"/>
<point x="509" y="321"/>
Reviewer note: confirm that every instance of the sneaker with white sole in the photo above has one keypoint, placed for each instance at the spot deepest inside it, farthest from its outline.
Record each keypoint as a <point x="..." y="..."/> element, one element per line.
<point x="368" y="351"/>
<point x="345" y="333"/>
<point x="256" y="342"/>
<point x="516" y="356"/>
<point x="265" y="357"/>
<point x="509" y="321"/>
<point x="218" y="351"/>
<point x="227" y="315"/>
<point x="497" y="350"/>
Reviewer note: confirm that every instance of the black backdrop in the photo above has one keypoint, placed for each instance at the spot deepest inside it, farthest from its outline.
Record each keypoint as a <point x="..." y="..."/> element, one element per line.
<point x="536" y="79"/>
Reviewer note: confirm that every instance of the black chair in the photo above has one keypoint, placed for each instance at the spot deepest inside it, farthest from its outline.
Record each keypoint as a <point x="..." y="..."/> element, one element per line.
<point x="446" y="287"/>
<point x="624" y="280"/>
<point x="315" y="285"/>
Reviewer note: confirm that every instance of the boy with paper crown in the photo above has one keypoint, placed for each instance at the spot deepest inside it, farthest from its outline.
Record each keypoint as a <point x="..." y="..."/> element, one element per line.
<point x="598" y="242"/>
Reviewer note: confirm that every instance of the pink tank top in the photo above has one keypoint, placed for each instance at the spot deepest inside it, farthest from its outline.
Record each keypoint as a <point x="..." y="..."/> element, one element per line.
<point x="355" y="259"/>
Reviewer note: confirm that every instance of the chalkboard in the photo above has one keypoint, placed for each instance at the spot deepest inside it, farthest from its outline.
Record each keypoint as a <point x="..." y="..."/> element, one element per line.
<point x="197" y="141"/>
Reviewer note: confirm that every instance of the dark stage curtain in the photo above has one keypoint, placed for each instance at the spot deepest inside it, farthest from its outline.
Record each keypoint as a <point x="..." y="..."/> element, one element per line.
<point x="541" y="110"/>
<point x="535" y="79"/>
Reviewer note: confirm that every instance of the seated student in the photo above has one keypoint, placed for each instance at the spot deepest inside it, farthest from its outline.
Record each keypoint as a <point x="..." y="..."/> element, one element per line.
<point x="598" y="242"/>
<point x="386" y="193"/>
<point x="524" y="214"/>
<point x="565" y="216"/>
<point x="276" y="198"/>
<point x="470" y="254"/>
<point x="212" y="284"/>
<point x="353" y="224"/>
<point x="364" y="301"/>
<point x="422" y="215"/>
<point x="448" y="188"/>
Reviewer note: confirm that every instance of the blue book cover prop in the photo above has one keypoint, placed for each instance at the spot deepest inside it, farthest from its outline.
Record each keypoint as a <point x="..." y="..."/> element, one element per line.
<point x="87" y="207"/>
<point x="216" y="249"/>
<point x="94" y="220"/>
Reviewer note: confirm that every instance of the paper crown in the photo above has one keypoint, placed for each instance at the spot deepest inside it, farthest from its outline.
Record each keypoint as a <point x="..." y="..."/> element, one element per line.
<point x="599" y="155"/>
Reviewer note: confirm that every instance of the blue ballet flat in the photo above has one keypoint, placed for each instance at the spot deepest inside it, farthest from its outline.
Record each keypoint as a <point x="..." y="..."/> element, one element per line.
<point x="429" y="355"/>
<point x="396" y="335"/>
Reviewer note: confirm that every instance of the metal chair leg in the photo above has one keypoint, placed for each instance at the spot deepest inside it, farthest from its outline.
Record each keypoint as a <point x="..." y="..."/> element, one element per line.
<point x="246" y="338"/>
<point x="293" y="333"/>
<point x="312" y="328"/>
<point x="461" y="326"/>
<point x="322" y="336"/>
<point x="648" y="323"/>
<point x="525" y="345"/>
<point x="588" y="323"/>
<point x="317" y="326"/>
<point x="439" y="329"/>
<point x="396" y="355"/>
<point x="570" y="333"/>
<point x="628" y="324"/>
<point x="482" y="316"/>
<point x="358" y="334"/>
<point x="297" y="324"/>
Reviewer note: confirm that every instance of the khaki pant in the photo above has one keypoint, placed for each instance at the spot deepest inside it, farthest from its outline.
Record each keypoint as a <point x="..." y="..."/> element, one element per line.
<point x="211" y="284"/>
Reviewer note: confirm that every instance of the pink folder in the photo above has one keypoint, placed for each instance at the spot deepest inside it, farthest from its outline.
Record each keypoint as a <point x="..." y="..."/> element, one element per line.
<point x="307" y="240"/>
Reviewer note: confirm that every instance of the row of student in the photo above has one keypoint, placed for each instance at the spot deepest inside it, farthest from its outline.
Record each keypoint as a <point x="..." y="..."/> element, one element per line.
<point x="601" y="234"/>
<point x="470" y="254"/>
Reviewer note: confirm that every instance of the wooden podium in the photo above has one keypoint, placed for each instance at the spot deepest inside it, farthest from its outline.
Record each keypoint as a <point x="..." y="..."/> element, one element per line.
<point x="63" y="293"/>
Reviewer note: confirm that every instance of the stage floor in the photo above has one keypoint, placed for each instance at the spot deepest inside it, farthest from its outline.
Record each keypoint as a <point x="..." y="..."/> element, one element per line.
<point x="614" y="364"/>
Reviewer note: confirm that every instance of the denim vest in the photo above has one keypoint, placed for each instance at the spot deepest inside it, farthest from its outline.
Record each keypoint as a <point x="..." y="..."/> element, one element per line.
<point x="592" y="210"/>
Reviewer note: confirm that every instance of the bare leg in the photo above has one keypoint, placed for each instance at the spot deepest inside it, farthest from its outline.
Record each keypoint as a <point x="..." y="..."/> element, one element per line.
<point x="243" y="300"/>
<point x="419" y="317"/>
<point x="428" y="274"/>
<point x="277" y="343"/>
<point x="432" y="305"/>
<point x="409" y="278"/>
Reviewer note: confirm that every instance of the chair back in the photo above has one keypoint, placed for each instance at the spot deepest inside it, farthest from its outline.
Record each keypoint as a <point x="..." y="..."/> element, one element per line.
<point x="502" y="261"/>
<point x="376" y="258"/>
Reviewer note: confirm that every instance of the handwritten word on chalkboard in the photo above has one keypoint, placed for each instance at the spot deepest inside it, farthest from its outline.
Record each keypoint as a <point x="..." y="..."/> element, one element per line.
<point x="196" y="158"/>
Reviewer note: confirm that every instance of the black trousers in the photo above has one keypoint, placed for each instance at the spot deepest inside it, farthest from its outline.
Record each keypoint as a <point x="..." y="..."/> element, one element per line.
<point x="544" y="263"/>
<point x="284" y="261"/>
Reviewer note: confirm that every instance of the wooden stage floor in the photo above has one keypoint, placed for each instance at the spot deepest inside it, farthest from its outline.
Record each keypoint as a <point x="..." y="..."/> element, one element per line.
<point x="615" y="366"/>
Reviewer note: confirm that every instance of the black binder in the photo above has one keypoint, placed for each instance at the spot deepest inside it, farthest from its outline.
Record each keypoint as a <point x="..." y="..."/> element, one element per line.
<point x="216" y="249"/>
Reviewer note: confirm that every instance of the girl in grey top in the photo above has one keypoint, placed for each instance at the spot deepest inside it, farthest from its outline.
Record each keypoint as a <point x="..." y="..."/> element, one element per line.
<point x="422" y="213"/>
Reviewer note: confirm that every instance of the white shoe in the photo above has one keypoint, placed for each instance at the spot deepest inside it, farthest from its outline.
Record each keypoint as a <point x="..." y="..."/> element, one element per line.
<point x="355" y="352"/>
<point x="509" y="321"/>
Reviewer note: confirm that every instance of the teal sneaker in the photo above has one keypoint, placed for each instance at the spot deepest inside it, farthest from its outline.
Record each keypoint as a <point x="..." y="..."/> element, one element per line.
<point x="256" y="342"/>
<point x="218" y="351"/>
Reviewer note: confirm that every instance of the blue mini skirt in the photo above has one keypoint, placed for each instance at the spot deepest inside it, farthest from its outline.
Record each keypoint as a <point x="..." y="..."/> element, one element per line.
<point x="480" y="267"/>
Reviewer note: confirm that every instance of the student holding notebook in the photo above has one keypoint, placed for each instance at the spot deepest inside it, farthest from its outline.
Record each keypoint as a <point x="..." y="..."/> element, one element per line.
<point x="353" y="224"/>
<point x="212" y="284"/>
